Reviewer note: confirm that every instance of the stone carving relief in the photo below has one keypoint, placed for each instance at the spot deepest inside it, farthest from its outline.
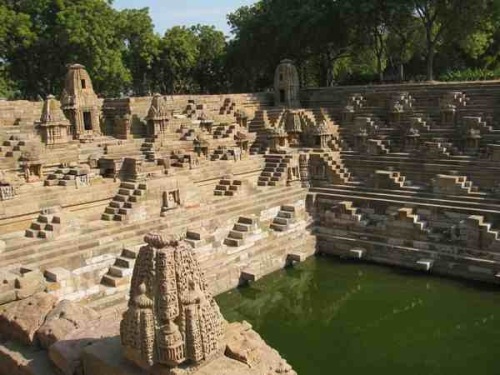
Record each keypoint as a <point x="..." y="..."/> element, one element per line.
<point x="172" y="320"/>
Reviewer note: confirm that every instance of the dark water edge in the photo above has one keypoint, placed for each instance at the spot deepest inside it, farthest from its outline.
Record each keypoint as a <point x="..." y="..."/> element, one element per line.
<point x="328" y="316"/>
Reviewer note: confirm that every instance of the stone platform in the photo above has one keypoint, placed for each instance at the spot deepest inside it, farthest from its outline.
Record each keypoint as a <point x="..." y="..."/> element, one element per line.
<point x="96" y="349"/>
<point x="246" y="354"/>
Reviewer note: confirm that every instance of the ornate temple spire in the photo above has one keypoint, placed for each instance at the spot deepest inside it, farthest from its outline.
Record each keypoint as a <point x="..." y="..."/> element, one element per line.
<point x="172" y="320"/>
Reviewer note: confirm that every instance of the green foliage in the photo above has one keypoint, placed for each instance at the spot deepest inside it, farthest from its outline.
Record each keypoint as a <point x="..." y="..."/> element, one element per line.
<point x="342" y="41"/>
<point x="470" y="74"/>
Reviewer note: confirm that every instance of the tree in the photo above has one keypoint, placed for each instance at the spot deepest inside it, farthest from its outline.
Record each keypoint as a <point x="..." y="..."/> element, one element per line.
<point x="142" y="46"/>
<point x="177" y="60"/>
<point x="209" y="70"/>
<point x="59" y="32"/>
<point x="448" y="20"/>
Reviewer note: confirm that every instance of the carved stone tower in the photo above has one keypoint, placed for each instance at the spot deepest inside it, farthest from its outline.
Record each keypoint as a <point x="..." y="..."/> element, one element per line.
<point x="54" y="126"/>
<point x="286" y="85"/>
<point x="172" y="321"/>
<point x="158" y="117"/>
<point x="80" y="103"/>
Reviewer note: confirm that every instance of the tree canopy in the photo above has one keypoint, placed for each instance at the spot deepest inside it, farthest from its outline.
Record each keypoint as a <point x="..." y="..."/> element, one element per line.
<point x="332" y="42"/>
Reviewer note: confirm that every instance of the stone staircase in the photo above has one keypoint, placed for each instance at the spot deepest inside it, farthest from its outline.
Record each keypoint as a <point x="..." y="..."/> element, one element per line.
<point x="13" y="147"/>
<point x="148" y="150"/>
<point x="344" y="213"/>
<point x="45" y="226"/>
<point x="224" y="131"/>
<point x="228" y="107"/>
<point x="337" y="172"/>
<point x="223" y="153"/>
<point x="407" y="215"/>
<point x="388" y="180"/>
<point x="274" y="173"/>
<point x="228" y="187"/>
<point x="450" y="184"/>
<point x="378" y="147"/>
<point x="286" y="216"/>
<point x="122" y="204"/>
<point x="120" y="273"/>
<point x="241" y="230"/>
<point x="68" y="177"/>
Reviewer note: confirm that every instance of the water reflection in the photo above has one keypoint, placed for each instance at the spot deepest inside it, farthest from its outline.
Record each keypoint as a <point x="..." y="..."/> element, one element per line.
<point x="332" y="317"/>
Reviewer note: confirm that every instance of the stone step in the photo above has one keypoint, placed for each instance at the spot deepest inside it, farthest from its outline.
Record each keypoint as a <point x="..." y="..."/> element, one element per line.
<point x="113" y="281"/>
<point x="111" y="210"/>
<point x="247" y="220"/>
<point x="107" y="217"/>
<point x="279" y="227"/>
<point x="130" y="253"/>
<point x="127" y="233"/>
<point x="286" y="214"/>
<point x="115" y="204"/>
<point x="117" y="271"/>
<point x="233" y="242"/>
<point x="124" y="262"/>
<point x="128" y="185"/>
<point x="125" y="192"/>
<point x="281" y="220"/>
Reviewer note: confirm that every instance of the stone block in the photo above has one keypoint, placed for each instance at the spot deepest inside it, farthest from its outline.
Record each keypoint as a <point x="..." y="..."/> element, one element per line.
<point x="16" y="359"/>
<point x="20" y="320"/>
<point x="57" y="274"/>
<point x="29" y="283"/>
<point x="65" y="318"/>
<point x="67" y="355"/>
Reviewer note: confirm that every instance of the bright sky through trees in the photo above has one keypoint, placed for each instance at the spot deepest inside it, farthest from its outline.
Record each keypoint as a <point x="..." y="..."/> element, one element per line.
<point x="168" y="13"/>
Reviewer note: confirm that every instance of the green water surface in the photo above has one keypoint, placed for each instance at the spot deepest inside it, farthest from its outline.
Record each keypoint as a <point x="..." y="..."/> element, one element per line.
<point x="327" y="316"/>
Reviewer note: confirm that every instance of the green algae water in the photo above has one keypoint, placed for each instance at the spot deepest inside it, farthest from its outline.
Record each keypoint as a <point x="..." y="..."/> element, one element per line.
<point x="327" y="316"/>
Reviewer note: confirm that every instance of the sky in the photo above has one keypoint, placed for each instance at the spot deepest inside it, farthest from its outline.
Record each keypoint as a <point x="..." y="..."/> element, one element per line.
<point x="168" y="13"/>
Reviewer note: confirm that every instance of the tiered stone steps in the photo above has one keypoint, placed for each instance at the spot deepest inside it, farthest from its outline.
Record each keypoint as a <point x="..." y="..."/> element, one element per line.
<point x="148" y="150"/>
<point x="65" y="176"/>
<point x="267" y="256"/>
<point x="274" y="173"/>
<point x="12" y="148"/>
<point x="483" y="172"/>
<point x="123" y="203"/>
<point x="456" y="185"/>
<point x="120" y="273"/>
<point x="222" y="131"/>
<point x="344" y="213"/>
<point x="223" y="153"/>
<point x="407" y="214"/>
<point x="286" y="216"/>
<point x="228" y="187"/>
<point x="485" y="227"/>
<point x="337" y="172"/>
<point x="379" y="147"/>
<point x="228" y="107"/>
<point x="244" y="227"/>
<point x="45" y="226"/>
<point x="102" y="239"/>
<point x="389" y="180"/>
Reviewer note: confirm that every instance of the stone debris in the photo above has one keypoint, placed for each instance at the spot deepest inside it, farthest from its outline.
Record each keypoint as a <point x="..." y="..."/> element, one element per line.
<point x="66" y="317"/>
<point x="21" y="320"/>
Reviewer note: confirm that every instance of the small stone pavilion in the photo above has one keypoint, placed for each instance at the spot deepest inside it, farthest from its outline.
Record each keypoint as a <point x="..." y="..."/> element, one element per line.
<point x="287" y="85"/>
<point x="80" y="103"/>
<point x="54" y="126"/>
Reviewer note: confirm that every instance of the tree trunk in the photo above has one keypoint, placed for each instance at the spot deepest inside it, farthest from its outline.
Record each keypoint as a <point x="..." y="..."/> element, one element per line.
<point x="401" y="72"/>
<point x="379" y="69"/>
<point x="430" y="61"/>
